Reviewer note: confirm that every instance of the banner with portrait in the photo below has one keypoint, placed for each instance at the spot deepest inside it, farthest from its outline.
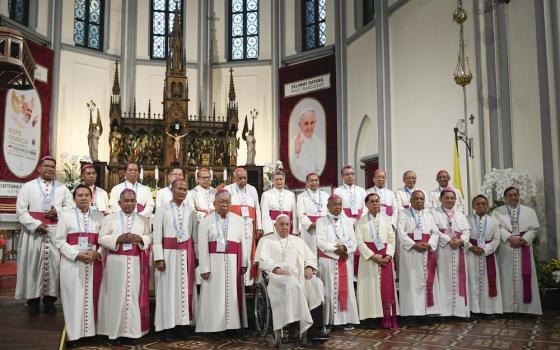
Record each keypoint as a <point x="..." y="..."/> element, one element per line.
<point x="25" y="134"/>
<point x="308" y="117"/>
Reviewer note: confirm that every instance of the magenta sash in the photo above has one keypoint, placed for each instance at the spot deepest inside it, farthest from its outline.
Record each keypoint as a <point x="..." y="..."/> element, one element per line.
<point x="144" y="280"/>
<point x="171" y="243"/>
<point x="139" y="208"/>
<point x="342" y="280"/>
<point x="72" y="239"/>
<point x="274" y="214"/>
<point x="232" y="248"/>
<point x="431" y="266"/>
<point x="388" y="209"/>
<point x="348" y="213"/>
<point x="387" y="289"/>
<point x="526" y="271"/>
<point x="39" y="215"/>
<point x="462" y="268"/>
<point x="490" y="271"/>
<point x="313" y="218"/>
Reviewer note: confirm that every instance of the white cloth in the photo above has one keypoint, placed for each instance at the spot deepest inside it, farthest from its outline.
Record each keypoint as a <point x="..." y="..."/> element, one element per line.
<point x="172" y="285"/>
<point x="388" y="198"/>
<point x="330" y="233"/>
<point x="273" y="199"/>
<point x="403" y="195"/>
<point x="448" y="263"/>
<point x="164" y="196"/>
<point x="291" y="297"/>
<point x="353" y="197"/>
<point x="143" y="197"/>
<point x="219" y="308"/>
<point x="201" y="200"/>
<point x="119" y="307"/>
<point x="100" y="199"/>
<point x="486" y="229"/>
<point x="413" y="270"/>
<point x="247" y="196"/>
<point x="369" y="272"/>
<point x="509" y="260"/>
<point x="38" y="260"/>
<point x="311" y="158"/>
<point x="76" y="277"/>
<point x="310" y="203"/>
<point x="433" y="201"/>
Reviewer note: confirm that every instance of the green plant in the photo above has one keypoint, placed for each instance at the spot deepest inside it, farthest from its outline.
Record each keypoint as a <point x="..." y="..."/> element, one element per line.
<point x="547" y="273"/>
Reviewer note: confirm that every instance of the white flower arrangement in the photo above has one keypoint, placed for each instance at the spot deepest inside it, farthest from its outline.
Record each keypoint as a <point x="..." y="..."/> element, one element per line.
<point x="70" y="173"/>
<point x="556" y="276"/>
<point x="499" y="179"/>
<point x="269" y="168"/>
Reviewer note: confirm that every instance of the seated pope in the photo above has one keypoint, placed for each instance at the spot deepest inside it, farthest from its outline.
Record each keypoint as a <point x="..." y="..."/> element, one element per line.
<point x="296" y="295"/>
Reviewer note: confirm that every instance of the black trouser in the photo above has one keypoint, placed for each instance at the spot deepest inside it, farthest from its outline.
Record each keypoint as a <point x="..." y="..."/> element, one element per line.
<point x="317" y="316"/>
<point x="47" y="300"/>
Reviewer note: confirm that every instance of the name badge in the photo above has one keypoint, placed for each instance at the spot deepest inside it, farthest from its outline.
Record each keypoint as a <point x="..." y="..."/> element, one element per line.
<point x="126" y="246"/>
<point x="221" y="246"/>
<point x="47" y="204"/>
<point x="383" y="210"/>
<point x="379" y="244"/>
<point x="417" y="234"/>
<point x="83" y="243"/>
<point x="515" y="228"/>
<point x="244" y="212"/>
<point x="354" y="211"/>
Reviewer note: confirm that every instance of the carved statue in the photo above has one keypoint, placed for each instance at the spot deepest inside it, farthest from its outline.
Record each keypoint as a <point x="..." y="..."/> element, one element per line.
<point x="176" y="143"/>
<point x="249" y="137"/>
<point x="94" y="133"/>
<point x="115" y="141"/>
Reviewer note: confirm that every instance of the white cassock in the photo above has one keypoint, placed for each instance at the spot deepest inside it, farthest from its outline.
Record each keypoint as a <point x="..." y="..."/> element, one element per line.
<point x="418" y="280"/>
<point x="518" y="277"/>
<point x="222" y="252"/>
<point x="245" y="203"/>
<point x="337" y="273"/>
<point x="201" y="200"/>
<point x="377" y="293"/>
<point x="144" y="199"/>
<point x="79" y="282"/>
<point x="38" y="260"/>
<point x="275" y="202"/>
<point x="123" y="299"/>
<point x="99" y="199"/>
<point x="164" y="196"/>
<point x="353" y="205"/>
<point x="403" y="195"/>
<point x="433" y="201"/>
<point x="291" y="297"/>
<point x="311" y="158"/>
<point x="176" y="297"/>
<point x="485" y="292"/>
<point x="452" y="264"/>
<point x="388" y="203"/>
<point x="311" y="205"/>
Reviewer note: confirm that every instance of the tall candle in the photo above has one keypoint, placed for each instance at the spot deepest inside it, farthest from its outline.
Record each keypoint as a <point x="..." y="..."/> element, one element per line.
<point x="141" y="173"/>
<point x="225" y="175"/>
<point x="156" y="175"/>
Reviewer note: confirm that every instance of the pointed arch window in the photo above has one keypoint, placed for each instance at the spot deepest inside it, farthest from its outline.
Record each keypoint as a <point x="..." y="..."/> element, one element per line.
<point x="314" y="21"/>
<point x="19" y="11"/>
<point x="243" y="30"/>
<point x="89" y="23"/>
<point x="369" y="11"/>
<point x="162" y="17"/>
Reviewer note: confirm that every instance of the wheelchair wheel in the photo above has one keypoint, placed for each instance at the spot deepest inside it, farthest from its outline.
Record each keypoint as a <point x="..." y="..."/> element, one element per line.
<point x="263" y="312"/>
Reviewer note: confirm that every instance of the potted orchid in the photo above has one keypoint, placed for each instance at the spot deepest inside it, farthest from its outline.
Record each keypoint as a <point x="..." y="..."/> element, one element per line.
<point x="496" y="181"/>
<point x="69" y="175"/>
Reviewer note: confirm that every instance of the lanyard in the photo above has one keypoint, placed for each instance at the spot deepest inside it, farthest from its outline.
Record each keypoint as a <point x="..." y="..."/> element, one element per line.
<point x="383" y="191"/>
<point x="418" y="221"/>
<point x="129" y="227"/>
<point x="374" y="235"/>
<point x="43" y="191"/>
<point x="317" y="203"/>
<point x="517" y="212"/>
<point x="218" y="227"/>
<point x="135" y="187"/>
<point x="280" y="198"/>
<point x="408" y="192"/>
<point x="243" y="194"/>
<point x="481" y="230"/>
<point x="86" y="221"/>
<point x="341" y="226"/>
<point x="177" y="219"/>
<point x="351" y="194"/>
<point x="449" y="218"/>
<point x="93" y="202"/>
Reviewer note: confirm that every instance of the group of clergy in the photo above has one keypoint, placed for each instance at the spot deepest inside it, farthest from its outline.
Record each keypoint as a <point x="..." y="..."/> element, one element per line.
<point x="310" y="250"/>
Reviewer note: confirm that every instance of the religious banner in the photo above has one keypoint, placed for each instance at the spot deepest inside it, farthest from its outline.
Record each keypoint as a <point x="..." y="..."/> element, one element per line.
<point x="308" y="121"/>
<point x="25" y="134"/>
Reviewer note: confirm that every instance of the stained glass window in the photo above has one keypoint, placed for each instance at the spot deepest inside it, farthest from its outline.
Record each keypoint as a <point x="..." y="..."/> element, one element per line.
<point x="369" y="11"/>
<point x="88" y="23"/>
<point x="314" y="14"/>
<point x="162" y="18"/>
<point x="19" y="11"/>
<point x="244" y="29"/>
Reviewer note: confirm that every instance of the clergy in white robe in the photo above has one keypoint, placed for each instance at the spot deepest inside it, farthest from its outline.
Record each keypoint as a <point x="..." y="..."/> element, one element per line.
<point x="201" y="198"/>
<point x="377" y="293"/>
<point x="80" y="264"/>
<point x="443" y="178"/>
<point x="245" y="203"/>
<point x="485" y="292"/>
<point x="311" y="205"/>
<point x="307" y="149"/>
<point x="518" y="277"/>
<point x="454" y="235"/>
<point x="387" y="197"/>
<point x="418" y="280"/>
<point x="39" y="202"/>
<point x="123" y="301"/>
<point x="175" y="225"/>
<point x="404" y="193"/>
<point x="144" y="199"/>
<point x="164" y="195"/>
<point x="99" y="197"/>
<point x="296" y="295"/>
<point x="222" y="258"/>
<point x="337" y="243"/>
<point x="278" y="200"/>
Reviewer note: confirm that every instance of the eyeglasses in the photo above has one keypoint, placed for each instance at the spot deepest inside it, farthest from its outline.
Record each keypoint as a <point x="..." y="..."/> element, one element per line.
<point x="204" y="177"/>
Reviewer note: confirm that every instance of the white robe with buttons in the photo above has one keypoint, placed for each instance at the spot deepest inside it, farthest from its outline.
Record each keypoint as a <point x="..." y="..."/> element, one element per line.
<point x="143" y="197"/>
<point x="433" y="201"/>
<point x="388" y="198"/>
<point x="310" y="203"/>
<point x="352" y="196"/>
<point x="270" y="200"/>
<point x="101" y="200"/>
<point x="201" y="200"/>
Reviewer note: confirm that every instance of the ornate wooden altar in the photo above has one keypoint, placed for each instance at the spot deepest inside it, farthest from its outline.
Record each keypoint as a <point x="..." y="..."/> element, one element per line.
<point x="174" y="138"/>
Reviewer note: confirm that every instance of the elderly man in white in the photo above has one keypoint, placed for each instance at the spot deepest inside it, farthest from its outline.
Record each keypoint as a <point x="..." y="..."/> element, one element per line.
<point x="164" y="195"/>
<point x="278" y="200"/>
<point x="442" y="179"/>
<point x="307" y="150"/>
<point x="311" y="205"/>
<point x="144" y="199"/>
<point x="293" y="288"/>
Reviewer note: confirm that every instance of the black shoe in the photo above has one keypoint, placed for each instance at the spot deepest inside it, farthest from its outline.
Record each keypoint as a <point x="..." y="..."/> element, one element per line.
<point x="293" y="332"/>
<point x="182" y="332"/>
<point x="50" y="309"/>
<point x="33" y="309"/>
<point x="71" y="344"/>
<point x="168" y="335"/>
<point x="316" y="335"/>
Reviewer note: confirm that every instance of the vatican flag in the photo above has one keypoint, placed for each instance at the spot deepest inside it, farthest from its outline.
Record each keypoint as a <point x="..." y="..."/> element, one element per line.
<point x="457" y="183"/>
